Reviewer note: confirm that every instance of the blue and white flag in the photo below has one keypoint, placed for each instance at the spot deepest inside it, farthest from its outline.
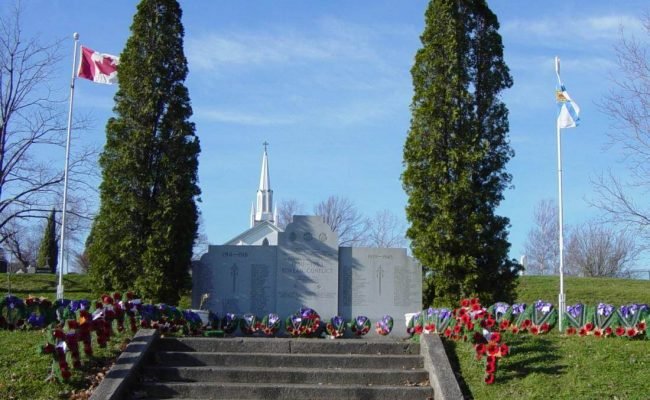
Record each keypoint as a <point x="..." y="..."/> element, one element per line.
<point x="569" y="111"/>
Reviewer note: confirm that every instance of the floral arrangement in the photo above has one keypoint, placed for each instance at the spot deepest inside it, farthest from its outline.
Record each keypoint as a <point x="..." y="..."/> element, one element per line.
<point x="502" y="313"/>
<point x="305" y="322"/>
<point x="12" y="312"/>
<point x="360" y="325"/>
<point x="57" y="347"/>
<point x="585" y="320"/>
<point x="229" y="323"/>
<point x="519" y="318"/>
<point x="39" y="312"/>
<point x="488" y="345"/>
<point x="414" y="323"/>
<point x="270" y="324"/>
<point x="248" y="324"/>
<point x="193" y="323"/>
<point x="336" y="327"/>
<point x="384" y="326"/>
<point x="543" y="317"/>
<point x="436" y="320"/>
<point x="632" y="318"/>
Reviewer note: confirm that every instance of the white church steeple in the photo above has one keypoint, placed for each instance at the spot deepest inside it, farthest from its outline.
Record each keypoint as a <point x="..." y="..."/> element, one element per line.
<point x="264" y="205"/>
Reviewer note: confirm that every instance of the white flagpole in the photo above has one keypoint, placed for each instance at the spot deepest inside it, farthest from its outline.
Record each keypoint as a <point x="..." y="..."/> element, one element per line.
<point x="561" y="297"/>
<point x="62" y="258"/>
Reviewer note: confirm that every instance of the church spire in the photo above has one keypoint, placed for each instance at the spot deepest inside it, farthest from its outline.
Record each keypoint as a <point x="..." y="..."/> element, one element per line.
<point x="264" y="208"/>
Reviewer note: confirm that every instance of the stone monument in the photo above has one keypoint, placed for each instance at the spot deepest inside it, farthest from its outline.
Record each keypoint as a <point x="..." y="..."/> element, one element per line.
<point x="266" y="269"/>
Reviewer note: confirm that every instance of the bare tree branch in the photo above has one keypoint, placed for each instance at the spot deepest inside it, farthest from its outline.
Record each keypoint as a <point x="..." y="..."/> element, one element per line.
<point x="286" y="210"/>
<point x="344" y="219"/>
<point x="32" y="127"/>
<point x="628" y="106"/>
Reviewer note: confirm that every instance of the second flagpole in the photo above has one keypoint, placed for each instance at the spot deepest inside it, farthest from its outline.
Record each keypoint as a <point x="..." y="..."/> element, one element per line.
<point x="561" y="297"/>
<point x="59" y="288"/>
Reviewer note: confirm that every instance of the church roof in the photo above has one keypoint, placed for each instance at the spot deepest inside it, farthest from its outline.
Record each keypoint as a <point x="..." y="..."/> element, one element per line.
<point x="262" y="229"/>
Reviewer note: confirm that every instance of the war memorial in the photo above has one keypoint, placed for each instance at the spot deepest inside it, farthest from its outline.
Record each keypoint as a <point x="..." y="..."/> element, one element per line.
<point x="269" y="270"/>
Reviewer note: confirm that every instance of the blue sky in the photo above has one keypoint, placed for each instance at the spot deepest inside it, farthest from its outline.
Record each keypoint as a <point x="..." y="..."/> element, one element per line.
<point x="327" y="84"/>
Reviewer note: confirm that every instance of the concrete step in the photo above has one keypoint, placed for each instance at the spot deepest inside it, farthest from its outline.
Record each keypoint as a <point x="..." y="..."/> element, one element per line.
<point x="269" y="391"/>
<point x="271" y="360"/>
<point x="340" y="376"/>
<point x="286" y="345"/>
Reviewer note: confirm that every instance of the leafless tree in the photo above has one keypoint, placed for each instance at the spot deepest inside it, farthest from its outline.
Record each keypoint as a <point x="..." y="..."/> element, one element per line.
<point x="32" y="124"/>
<point x="386" y="230"/>
<point x="81" y="261"/>
<point x="344" y="218"/>
<point x="286" y="210"/>
<point x="201" y="243"/>
<point x="542" y="245"/>
<point x="595" y="250"/>
<point x="628" y="105"/>
<point x="22" y="243"/>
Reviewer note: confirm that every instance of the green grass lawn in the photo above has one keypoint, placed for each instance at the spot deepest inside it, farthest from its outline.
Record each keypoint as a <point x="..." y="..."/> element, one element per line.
<point x="555" y="366"/>
<point x="552" y="366"/>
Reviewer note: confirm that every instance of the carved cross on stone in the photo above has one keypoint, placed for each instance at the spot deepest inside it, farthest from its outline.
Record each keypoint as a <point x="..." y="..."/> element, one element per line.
<point x="380" y="274"/>
<point x="234" y="271"/>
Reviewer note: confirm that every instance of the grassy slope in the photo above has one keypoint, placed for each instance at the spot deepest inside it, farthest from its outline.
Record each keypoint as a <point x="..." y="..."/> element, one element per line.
<point x="560" y="367"/>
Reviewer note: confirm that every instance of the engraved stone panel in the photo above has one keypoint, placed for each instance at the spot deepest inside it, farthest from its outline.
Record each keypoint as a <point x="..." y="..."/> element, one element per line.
<point x="375" y="281"/>
<point x="239" y="279"/>
<point x="307" y="273"/>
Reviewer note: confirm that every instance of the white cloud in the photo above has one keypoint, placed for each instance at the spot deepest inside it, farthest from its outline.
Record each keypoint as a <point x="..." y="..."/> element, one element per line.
<point x="587" y="28"/>
<point x="243" y="118"/>
<point x="331" y="39"/>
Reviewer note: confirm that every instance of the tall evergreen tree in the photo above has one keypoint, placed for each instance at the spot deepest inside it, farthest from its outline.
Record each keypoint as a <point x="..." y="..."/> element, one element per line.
<point x="48" y="252"/>
<point x="144" y="232"/>
<point x="455" y="156"/>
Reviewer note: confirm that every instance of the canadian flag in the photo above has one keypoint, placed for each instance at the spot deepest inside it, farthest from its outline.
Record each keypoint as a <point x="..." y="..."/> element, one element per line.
<point x="98" y="67"/>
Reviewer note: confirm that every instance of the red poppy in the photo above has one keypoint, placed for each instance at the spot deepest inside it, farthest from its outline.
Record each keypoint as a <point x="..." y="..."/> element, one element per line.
<point x="447" y="332"/>
<point x="490" y="368"/>
<point x="457" y="329"/>
<point x="480" y="349"/>
<point x="608" y="331"/>
<point x="470" y="326"/>
<point x="571" y="331"/>
<point x="641" y="326"/>
<point x="491" y="359"/>
<point x="464" y="303"/>
<point x="582" y="332"/>
<point x="462" y="312"/>
<point x="495" y="337"/>
<point x="504" y="324"/>
<point x="598" y="332"/>
<point x="545" y="327"/>
<point x="418" y="329"/>
<point x="515" y="329"/>
<point x="489" y="379"/>
<point x="589" y="327"/>
<point x="620" y="331"/>
<point x="631" y="332"/>
<point x="504" y="350"/>
<point x="476" y="307"/>
<point x="526" y="324"/>
<point x="474" y="301"/>
<point x="465" y="318"/>
<point x="534" y="330"/>
<point x="492" y="349"/>
<point x="489" y="322"/>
